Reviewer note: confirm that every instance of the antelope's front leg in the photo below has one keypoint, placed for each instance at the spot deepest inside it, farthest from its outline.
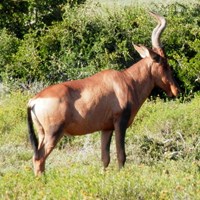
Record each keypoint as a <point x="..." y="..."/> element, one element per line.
<point x="120" y="145"/>
<point x="120" y="125"/>
<point x="106" y="137"/>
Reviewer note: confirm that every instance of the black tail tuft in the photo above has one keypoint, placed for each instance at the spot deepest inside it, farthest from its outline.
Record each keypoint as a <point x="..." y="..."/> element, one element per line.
<point x="32" y="136"/>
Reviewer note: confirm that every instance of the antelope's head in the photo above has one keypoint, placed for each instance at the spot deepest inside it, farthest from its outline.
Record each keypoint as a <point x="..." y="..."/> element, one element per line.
<point x="160" y="70"/>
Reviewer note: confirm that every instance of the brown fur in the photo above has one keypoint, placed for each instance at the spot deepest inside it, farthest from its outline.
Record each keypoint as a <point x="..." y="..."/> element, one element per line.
<point x="106" y="101"/>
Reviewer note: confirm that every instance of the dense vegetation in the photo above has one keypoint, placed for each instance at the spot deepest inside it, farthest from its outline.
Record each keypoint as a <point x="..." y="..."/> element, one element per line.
<point x="43" y="42"/>
<point x="53" y="41"/>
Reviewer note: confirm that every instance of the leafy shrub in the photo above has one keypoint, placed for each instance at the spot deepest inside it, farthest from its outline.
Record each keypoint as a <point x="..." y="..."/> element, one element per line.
<point x="90" y="38"/>
<point x="20" y="17"/>
<point x="183" y="44"/>
<point x="25" y="62"/>
<point x="8" y="47"/>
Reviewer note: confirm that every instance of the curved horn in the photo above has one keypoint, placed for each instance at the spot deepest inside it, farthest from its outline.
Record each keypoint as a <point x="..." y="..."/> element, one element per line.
<point x="158" y="30"/>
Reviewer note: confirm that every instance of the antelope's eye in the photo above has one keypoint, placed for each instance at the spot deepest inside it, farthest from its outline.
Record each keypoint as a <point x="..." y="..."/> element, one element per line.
<point x="158" y="59"/>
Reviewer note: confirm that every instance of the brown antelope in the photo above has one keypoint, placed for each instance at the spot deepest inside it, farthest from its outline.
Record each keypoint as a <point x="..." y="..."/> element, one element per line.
<point x="107" y="101"/>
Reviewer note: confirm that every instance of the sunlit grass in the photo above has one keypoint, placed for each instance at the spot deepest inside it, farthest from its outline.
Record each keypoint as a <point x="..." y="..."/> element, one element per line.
<point x="143" y="2"/>
<point x="162" y="147"/>
<point x="169" y="180"/>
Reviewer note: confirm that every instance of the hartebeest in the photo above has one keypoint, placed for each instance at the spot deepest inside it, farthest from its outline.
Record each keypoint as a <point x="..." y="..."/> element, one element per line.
<point x="107" y="101"/>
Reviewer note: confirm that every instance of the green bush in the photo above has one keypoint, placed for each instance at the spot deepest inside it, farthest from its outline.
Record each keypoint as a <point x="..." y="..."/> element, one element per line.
<point x="8" y="47"/>
<point x="90" y="38"/>
<point x="25" y="61"/>
<point x="183" y="44"/>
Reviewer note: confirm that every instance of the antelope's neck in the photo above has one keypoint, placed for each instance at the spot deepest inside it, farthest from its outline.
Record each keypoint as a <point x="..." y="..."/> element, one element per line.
<point x="141" y="80"/>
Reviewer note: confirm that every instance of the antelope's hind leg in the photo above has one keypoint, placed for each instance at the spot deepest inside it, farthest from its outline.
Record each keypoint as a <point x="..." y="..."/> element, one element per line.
<point x="106" y="137"/>
<point x="47" y="142"/>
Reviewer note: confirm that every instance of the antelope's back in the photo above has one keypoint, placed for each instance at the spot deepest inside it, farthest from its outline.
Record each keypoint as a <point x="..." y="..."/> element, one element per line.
<point x="82" y="106"/>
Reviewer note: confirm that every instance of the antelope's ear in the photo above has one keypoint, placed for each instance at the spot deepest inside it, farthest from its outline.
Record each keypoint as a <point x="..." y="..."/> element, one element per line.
<point x="145" y="52"/>
<point x="142" y="50"/>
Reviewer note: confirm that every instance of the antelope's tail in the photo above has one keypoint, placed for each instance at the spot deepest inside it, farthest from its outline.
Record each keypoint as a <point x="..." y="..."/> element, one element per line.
<point x="32" y="136"/>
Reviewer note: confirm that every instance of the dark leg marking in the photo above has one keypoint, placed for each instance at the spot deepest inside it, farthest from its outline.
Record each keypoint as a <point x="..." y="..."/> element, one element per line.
<point x="120" y="130"/>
